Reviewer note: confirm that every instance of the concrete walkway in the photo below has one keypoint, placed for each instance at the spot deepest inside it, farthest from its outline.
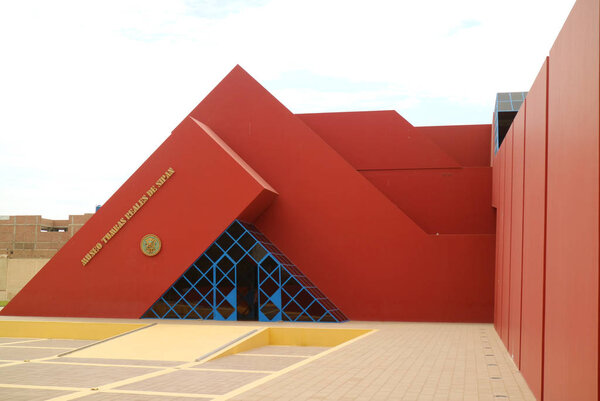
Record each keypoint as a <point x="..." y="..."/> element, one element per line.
<point x="397" y="361"/>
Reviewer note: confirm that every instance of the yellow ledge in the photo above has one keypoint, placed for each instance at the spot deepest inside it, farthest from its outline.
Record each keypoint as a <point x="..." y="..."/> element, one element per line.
<point x="65" y="330"/>
<point x="292" y="336"/>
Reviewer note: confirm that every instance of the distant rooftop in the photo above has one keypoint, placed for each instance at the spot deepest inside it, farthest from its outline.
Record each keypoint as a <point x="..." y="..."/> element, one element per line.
<point x="505" y="110"/>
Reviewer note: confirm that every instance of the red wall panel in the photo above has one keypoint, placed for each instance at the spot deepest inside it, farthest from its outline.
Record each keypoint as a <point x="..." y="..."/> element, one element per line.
<point x="506" y="231"/>
<point x="445" y="201"/>
<point x="469" y="145"/>
<point x="499" y="240"/>
<point x="534" y="234"/>
<point x="377" y="140"/>
<point x="495" y="181"/>
<point x="476" y="253"/>
<point x="516" y="240"/>
<point x="571" y="316"/>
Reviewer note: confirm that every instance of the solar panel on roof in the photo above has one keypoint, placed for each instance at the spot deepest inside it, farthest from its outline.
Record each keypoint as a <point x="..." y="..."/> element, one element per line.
<point x="506" y="107"/>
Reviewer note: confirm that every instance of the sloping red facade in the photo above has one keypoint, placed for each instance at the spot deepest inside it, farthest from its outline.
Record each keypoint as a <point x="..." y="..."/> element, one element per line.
<point x="210" y="187"/>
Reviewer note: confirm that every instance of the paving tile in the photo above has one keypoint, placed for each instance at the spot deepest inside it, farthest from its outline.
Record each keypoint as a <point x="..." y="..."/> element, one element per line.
<point x="139" y="362"/>
<point x="195" y="381"/>
<point x="401" y="361"/>
<point x="45" y="374"/>
<point x="251" y="362"/>
<point x="28" y="394"/>
<point x="405" y="361"/>
<point x="21" y="354"/>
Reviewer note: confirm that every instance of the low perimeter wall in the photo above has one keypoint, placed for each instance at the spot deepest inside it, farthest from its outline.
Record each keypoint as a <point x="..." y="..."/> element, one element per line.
<point x="15" y="273"/>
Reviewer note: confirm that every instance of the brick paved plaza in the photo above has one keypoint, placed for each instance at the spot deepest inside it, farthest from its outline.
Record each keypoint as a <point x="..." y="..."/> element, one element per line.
<point x="396" y="361"/>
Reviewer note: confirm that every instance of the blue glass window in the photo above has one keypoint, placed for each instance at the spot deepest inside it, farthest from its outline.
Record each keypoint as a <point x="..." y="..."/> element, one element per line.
<point x="243" y="276"/>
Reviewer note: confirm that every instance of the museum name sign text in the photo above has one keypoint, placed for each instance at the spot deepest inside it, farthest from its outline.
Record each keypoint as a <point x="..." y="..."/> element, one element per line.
<point x="127" y="216"/>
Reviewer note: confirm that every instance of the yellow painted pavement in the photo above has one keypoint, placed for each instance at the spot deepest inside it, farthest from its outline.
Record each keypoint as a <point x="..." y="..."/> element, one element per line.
<point x="169" y="342"/>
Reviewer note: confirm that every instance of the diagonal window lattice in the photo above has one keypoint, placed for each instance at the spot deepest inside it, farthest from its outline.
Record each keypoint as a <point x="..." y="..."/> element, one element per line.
<point x="243" y="276"/>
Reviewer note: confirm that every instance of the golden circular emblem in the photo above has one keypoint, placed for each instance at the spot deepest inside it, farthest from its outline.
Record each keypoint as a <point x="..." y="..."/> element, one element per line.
<point x="150" y="245"/>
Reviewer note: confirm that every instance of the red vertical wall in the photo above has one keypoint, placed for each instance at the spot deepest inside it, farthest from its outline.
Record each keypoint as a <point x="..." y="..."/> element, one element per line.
<point x="499" y="167"/>
<point x="534" y="234"/>
<point x="547" y="278"/>
<point x="468" y="144"/>
<point x="440" y="177"/>
<point x="495" y="183"/>
<point x="506" y="235"/>
<point x="571" y="335"/>
<point x="516" y="235"/>
<point x="444" y="201"/>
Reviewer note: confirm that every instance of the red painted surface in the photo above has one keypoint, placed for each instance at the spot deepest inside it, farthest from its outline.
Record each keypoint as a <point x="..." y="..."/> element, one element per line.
<point x="499" y="166"/>
<point x="409" y="166"/>
<point x="516" y="235"/>
<point x="333" y="223"/>
<point x="495" y="191"/>
<point x="378" y="140"/>
<point x="495" y="182"/>
<point x="210" y="183"/>
<point x="534" y="231"/>
<point x="445" y="201"/>
<point x="559" y="334"/>
<point x="506" y="234"/>
<point x="469" y="145"/>
<point x="571" y="318"/>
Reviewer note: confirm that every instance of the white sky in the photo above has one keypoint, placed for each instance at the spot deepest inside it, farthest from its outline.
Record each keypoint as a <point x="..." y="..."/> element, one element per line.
<point x="88" y="89"/>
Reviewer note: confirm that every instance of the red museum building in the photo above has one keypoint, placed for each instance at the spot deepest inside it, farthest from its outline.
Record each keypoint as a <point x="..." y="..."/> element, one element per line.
<point x="250" y="212"/>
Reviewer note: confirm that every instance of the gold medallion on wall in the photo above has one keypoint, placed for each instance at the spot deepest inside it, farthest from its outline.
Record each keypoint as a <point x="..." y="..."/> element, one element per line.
<point x="150" y="245"/>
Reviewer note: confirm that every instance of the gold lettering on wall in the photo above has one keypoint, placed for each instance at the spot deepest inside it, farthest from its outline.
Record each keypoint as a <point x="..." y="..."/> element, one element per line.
<point x="128" y="216"/>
